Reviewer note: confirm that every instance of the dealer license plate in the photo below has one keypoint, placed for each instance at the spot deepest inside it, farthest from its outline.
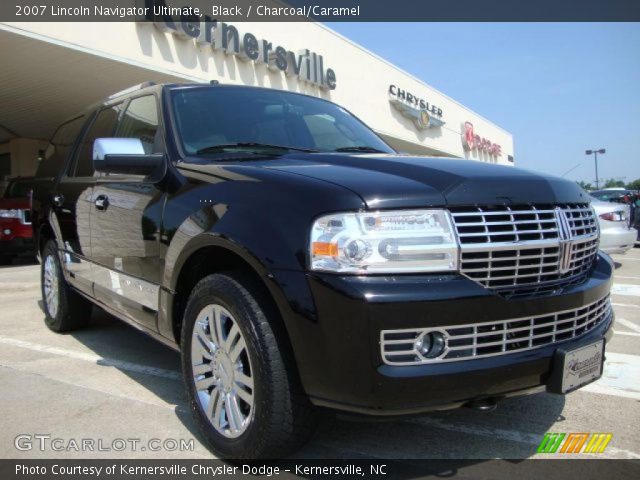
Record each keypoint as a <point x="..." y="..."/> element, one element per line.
<point x="583" y="365"/>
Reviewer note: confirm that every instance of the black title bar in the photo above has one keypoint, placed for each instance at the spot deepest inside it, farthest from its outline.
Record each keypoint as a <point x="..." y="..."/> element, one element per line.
<point x="322" y="10"/>
<point x="378" y="469"/>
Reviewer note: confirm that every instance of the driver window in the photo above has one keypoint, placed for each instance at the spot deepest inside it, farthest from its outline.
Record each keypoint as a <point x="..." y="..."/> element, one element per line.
<point x="140" y="120"/>
<point x="102" y="126"/>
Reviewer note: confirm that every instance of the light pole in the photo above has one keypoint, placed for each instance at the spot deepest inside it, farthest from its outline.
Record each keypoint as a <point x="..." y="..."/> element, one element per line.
<point x="595" y="155"/>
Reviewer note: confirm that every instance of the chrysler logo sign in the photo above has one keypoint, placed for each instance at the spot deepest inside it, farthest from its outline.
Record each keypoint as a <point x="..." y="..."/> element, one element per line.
<point x="423" y="114"/>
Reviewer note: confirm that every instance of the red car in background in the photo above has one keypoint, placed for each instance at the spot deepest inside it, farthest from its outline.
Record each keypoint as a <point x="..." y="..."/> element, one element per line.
<point x="16" y="234"/>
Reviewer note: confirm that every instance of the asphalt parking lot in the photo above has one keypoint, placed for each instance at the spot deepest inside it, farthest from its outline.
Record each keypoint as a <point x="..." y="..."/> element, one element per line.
<point x="110" y="382"/>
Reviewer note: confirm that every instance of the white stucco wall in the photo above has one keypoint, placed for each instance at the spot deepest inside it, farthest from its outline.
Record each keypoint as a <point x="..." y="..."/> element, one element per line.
<point x="362" y="84"/>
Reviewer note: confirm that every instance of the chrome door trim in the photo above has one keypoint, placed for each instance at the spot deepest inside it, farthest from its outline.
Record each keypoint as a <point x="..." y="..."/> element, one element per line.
<point x="135" y="289"/>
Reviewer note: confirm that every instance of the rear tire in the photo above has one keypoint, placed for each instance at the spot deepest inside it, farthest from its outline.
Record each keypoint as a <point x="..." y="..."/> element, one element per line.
<point x="65" y="310"/>
<point x="259" y="410"/>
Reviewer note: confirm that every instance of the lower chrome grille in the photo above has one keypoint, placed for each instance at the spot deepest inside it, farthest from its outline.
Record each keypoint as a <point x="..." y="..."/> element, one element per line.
<point x="477" y="340"/>
<point x="526" y="250"/>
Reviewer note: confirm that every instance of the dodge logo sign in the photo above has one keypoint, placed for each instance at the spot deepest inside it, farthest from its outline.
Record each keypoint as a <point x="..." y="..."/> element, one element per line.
<point x="473" y="141"/>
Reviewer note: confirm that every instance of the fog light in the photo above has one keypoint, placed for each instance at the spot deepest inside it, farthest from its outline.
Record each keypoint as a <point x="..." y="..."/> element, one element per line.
<point x="7" y="231"/>
<point x="431" y="344"/>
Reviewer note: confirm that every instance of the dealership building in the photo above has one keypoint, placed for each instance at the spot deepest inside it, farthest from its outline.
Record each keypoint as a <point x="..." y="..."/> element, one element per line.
<point x="51" y="71"/>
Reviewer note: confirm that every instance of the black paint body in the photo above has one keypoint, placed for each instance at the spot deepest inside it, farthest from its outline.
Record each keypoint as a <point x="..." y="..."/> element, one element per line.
<point x="261" y="211"/>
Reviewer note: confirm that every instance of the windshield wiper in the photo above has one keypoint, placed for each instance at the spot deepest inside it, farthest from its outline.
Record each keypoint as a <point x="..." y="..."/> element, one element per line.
<point x="359" y="148"/>
<point x="250" y="145"/>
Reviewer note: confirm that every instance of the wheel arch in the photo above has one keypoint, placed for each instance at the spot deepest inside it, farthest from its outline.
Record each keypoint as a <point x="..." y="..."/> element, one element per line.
<point x="208" y="254"/>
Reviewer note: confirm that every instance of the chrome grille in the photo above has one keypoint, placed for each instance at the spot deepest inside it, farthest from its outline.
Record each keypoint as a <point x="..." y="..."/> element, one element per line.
<point x="526" y="250"/>
<point x="504" y="224"/>
<point x="582" y="220"/>
<point x="463" y="342"/>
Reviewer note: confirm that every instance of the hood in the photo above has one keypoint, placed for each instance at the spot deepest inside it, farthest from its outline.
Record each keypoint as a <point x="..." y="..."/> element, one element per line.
<point x="398" y="181"/>
<point x="15" y="203"/>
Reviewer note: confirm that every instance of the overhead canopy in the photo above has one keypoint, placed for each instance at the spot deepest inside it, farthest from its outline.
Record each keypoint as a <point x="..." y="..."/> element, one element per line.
<point x="49" y="71"/>
<point x="44" y="83"/>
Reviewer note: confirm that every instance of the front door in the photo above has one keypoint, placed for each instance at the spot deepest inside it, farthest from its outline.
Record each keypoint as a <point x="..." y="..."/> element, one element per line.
<point x="72" y="203"/>
<point x="125" y="224"/>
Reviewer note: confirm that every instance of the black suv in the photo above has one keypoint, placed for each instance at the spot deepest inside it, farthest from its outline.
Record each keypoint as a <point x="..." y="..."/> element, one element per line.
<point x="297" y="261"/>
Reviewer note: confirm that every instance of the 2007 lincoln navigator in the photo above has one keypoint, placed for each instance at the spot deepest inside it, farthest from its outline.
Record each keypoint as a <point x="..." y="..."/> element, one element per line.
<point x="298" y="262"/>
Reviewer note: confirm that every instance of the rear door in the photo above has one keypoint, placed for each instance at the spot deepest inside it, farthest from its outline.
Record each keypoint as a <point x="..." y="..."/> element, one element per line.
<point x="72" y="201"/>
<point x="125" y="224"/>
<point x="51" y="167"/>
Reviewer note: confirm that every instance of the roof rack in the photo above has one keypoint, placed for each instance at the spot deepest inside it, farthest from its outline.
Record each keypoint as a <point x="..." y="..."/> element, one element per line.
<point x="132" y="89"/>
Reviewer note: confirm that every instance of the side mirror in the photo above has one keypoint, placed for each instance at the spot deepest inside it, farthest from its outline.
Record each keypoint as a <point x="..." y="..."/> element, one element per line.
<point x="127" y="156"/>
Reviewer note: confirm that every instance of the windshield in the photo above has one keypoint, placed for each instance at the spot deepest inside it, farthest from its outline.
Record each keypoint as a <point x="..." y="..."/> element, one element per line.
<point x="226" y="116"/>
<point x="18" y="190"/>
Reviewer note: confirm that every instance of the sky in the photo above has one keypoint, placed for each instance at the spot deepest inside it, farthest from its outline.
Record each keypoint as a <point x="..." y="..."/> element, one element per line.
<point x="558" y="88"/>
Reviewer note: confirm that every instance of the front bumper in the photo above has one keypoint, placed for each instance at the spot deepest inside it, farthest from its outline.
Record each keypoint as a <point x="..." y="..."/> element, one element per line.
<point x="334" y="325"/>
<point x="15" y="237"/>
<point x="16" y="246"/>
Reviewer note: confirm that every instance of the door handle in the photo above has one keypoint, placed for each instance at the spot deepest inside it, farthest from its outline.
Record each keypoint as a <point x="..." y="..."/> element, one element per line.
<point x="58" y="200"/>
<point x="102" y="202"/>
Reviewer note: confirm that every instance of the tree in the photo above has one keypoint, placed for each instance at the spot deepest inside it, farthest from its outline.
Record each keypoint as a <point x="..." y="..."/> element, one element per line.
<point x="613" y="183"/>
<point x="586" y="186"/>
<point x="635" y="185"/>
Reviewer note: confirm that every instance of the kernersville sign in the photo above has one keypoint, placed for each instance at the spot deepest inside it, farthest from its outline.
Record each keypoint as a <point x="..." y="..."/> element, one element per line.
<point x="308" y="66"/>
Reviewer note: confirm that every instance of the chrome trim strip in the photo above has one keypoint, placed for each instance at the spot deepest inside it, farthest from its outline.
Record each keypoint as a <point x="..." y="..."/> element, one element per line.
<point x="140" y="291"/>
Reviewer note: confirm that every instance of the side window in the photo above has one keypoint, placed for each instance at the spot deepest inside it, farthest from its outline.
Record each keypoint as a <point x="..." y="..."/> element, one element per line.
<point x="102" y="126"/>
<point x="59" y="147"/>
<point x="140" y="120"/>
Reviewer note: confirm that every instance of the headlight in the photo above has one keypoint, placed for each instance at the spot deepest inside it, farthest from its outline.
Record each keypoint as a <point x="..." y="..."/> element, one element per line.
<point x="384" y="242"/>
<point x="10" y="213"/>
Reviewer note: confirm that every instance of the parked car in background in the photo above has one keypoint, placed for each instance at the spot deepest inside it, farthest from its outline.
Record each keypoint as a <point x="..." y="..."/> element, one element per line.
<point x="613" y="194"/>
<point x="627" y="197"/>
<point x="16" y="235"/>
<point x="616" y="235"/>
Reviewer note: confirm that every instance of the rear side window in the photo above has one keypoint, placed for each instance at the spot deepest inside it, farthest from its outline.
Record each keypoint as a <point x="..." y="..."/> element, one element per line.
<point x="103" y="126"/>
<point x="140" y="120"/>
<point x="59" y="148"/>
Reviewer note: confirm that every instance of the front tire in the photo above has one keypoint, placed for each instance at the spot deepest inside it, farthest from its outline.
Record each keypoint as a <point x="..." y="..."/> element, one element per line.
<point x="243" y="391"/>
<point x="65" y="310"/>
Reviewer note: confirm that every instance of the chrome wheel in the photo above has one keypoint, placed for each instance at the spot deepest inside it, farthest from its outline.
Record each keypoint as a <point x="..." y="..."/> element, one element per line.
<point x="51" y="286"/>
<point x="222" y="372"/>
